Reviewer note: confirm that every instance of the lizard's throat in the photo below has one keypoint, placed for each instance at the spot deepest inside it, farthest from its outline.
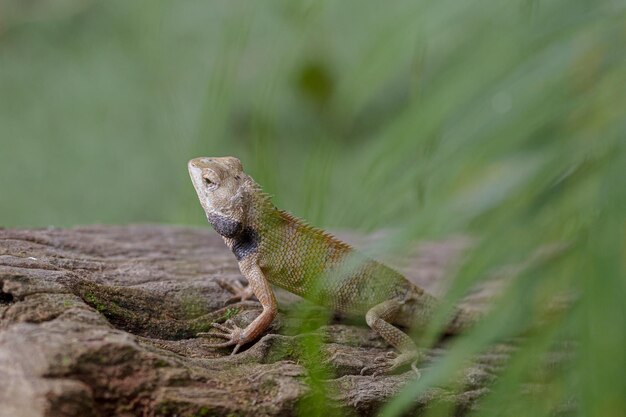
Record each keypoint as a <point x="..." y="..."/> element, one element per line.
<point x="224" y="225"/>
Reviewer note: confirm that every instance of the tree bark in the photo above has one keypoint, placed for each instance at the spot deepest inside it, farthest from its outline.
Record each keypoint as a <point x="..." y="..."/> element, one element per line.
<point x="101" y="321"/>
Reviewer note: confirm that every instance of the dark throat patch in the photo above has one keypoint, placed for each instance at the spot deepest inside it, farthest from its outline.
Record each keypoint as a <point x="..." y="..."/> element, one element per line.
<point x="246" y="242"/>
<point x="224" y="226"/>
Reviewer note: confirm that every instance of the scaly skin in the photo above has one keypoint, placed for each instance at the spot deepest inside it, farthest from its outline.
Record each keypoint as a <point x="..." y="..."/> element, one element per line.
<point x="272" y="246"/>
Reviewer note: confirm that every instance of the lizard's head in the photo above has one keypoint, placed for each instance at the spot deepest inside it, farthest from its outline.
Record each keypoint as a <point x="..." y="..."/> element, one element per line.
<point x="219" y="183"/>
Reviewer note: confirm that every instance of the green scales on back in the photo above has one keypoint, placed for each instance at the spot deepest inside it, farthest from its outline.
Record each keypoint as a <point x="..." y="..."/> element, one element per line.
<point x="315" y="265"/>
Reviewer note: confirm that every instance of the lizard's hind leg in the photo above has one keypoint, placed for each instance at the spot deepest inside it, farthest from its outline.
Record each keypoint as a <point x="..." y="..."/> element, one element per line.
<point x="240" y="292"/>
<point x="378" y="318"/>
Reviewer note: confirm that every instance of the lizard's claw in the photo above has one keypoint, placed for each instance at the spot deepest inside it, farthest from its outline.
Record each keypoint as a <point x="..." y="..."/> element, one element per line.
<point x="390" y="361"/>
<point x="240" y="292"/>
<point x="231" y="332"/>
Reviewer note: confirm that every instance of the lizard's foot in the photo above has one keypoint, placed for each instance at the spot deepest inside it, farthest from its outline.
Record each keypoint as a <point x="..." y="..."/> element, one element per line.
<point x="390" y="361"/>
<point x="240" y="292"/>
<point x="231" y="332"/>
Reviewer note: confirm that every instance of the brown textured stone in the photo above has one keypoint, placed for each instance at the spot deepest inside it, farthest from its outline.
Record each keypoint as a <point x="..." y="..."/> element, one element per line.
<point x="101" y="320"/>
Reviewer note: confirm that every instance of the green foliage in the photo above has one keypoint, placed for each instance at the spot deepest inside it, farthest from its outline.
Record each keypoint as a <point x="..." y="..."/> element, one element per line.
<point x="231" y="312"/>
<point x="504" y="120"/>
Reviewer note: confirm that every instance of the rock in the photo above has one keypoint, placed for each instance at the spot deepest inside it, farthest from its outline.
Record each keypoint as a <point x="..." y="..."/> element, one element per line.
<point x="101" y="321"/>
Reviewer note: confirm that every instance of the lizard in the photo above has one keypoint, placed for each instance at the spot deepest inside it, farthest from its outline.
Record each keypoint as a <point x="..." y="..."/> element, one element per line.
<point x="273" y="246"/>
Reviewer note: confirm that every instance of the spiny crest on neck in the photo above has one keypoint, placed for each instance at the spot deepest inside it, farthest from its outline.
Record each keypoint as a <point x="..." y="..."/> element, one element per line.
<point x="305" y="227"/>
<point x="263" y="201"/>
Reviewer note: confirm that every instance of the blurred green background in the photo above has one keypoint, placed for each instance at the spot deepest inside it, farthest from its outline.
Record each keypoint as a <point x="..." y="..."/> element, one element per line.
<point x="504" y="120"/>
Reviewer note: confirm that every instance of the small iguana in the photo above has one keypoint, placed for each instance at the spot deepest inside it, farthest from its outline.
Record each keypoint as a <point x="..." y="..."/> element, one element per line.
<point x="273" y="246"/>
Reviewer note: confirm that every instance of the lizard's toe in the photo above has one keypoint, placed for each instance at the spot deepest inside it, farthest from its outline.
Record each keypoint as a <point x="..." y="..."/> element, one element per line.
<point x="386" y="357"/>
<point x="367" y="369"/>
<point x="229" y="331"/>
<point x="240" y="292"/>
<point x="391" y="361"/>
<point x="418" y="374"/>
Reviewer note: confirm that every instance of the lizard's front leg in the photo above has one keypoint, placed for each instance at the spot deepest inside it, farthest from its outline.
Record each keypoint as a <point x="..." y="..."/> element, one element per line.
<point x="235" y="335"/>
<point x="378" y="318"/>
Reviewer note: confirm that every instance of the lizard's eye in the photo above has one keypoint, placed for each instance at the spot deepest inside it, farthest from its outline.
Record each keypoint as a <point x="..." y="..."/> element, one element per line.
<point x="209" y="183"/>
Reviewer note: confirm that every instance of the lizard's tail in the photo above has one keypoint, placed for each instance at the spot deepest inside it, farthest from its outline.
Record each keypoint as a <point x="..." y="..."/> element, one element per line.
<point x="462" y="320"/>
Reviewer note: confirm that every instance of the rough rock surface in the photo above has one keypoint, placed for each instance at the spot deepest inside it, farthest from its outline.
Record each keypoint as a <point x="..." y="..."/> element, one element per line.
<point x="101" y="321"/>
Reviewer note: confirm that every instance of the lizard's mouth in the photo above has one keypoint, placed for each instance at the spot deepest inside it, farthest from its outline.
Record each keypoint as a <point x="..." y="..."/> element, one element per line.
<point x="195" y="172"/>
